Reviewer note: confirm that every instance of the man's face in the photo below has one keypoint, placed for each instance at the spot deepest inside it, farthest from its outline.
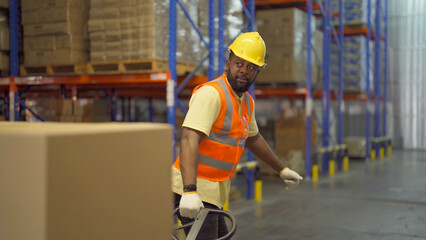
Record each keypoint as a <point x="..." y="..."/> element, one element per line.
<point x="241" y="74"/>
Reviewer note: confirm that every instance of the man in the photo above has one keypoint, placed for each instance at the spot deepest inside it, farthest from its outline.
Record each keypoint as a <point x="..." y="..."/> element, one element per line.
<point x="220" y="123"/>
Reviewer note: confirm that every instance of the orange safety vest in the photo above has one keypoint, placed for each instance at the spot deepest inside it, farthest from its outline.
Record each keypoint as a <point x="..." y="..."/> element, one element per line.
<point x="220" y="152"/>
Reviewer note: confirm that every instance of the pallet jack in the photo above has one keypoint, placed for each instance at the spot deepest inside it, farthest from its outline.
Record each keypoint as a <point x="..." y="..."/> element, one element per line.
<point x="198" y="223"/>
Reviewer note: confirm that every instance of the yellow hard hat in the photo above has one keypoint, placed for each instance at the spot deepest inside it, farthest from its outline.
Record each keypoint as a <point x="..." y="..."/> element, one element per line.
<point x="250" y="47"/>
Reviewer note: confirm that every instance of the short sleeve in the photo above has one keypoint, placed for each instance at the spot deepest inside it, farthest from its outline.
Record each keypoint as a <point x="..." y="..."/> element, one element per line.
<point x="253" y="130"/>
<point x="204" y="108"/>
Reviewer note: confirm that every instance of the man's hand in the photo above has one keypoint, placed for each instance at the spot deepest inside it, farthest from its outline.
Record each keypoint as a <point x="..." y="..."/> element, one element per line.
<point x="290" y="178"/>
<point x="190" y="204"/>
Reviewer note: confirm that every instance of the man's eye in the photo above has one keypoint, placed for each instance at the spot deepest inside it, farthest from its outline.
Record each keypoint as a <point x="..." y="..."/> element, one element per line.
<point x="239" y="64"/>
<point x="251" y="68"/>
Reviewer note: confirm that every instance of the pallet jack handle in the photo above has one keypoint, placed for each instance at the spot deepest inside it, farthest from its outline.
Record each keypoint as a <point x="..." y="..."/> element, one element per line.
<point x="198" y="223"/>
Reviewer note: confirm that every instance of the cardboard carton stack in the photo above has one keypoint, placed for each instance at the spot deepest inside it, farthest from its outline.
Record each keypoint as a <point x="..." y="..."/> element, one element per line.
<point x="55" y="31"/>
<point x="82" y="110"/>
<point x="4" y="40"/>
<point x="4" y="3"/>
<point x="68" y="110"/>
<point x="290" y="137"/>
<point x="354" y="64"/>
<point x="134" y="30"/>
<point x="284" y="33"/>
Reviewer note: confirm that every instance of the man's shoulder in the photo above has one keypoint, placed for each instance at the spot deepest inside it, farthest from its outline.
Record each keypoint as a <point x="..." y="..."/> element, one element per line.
<point x="207" y="91"/>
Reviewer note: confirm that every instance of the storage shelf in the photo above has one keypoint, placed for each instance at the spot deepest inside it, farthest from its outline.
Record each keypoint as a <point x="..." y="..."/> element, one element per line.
<point x="125" y="85"/>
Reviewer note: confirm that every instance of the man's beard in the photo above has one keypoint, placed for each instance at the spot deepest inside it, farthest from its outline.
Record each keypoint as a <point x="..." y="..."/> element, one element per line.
<point x="235" y="85"/>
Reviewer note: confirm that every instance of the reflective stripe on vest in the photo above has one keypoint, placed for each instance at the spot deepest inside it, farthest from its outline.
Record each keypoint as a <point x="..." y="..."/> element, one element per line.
<point x="221" y="150"/>
<point x="214" y="163"/>
<point x="227" y="124"/>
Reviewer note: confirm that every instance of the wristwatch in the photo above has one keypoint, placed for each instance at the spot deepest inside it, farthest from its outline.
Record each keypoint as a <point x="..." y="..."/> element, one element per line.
<point x="190" y="187"/>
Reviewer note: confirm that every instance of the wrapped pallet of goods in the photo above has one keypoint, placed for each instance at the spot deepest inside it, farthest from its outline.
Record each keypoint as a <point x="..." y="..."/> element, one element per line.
<point x="354" y="12"/>
<point x="55" y="34"/>
<point x="354" y="64"/>
<point x="133" y="36"/>
<point x="284" y="33"/>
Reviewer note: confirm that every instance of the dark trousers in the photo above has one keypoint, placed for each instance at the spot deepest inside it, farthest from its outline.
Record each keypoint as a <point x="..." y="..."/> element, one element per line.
<point x="214" y="227"/>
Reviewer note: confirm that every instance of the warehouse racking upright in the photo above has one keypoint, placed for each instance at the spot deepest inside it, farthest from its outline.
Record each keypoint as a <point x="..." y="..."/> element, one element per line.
<point x="329" y="151"/>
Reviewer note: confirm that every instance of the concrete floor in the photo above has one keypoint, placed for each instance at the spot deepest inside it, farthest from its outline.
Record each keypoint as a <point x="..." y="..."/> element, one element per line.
<point x="385" y="199"/>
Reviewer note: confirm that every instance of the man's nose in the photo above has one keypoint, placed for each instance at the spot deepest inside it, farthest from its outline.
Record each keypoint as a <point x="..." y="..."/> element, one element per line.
<point x="244" y="68"/>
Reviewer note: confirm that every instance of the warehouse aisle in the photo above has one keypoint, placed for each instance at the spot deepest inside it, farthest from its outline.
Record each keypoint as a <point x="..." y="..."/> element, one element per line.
<point x="385" y="199"/>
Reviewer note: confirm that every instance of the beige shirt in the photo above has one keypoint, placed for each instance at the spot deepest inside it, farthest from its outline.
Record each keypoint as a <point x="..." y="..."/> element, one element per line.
<point x="204" y="107"/>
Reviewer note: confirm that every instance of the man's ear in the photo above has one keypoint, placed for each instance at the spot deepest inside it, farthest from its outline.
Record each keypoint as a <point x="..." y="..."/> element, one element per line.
<point x="227" y="65"/>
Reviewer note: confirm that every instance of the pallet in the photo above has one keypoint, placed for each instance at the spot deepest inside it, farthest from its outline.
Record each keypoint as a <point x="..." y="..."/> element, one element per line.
<point x="136" y="66"/>
<point x="56" y="69"/>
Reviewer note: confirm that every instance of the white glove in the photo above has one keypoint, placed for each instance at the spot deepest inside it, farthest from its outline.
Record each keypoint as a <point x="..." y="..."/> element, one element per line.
<point x="190" y="204"/>
<point x="290" y="178"/>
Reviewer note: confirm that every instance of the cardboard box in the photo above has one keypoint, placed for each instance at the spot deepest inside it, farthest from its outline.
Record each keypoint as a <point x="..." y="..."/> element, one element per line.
<point x="4" y="61"/>
<point x="56" y="57"/>
<point x="27" y="5"/>
<point x="284" y="67"/>
<point x="4" y="39"/>
<point x="57" y="14"/>
<point x="64" y="107"/>
<point x="96" y="46"/>
<point x="284" y="32"/>
<point x="290" y="132"/>
<point x="356" y="146"/>
<point x="85" y="181"/>
<point x="98" y="56"/>
<point x="4" y="3"/>
<point x="69" y="28"/>
<point x="39" y="43"/>
<point x="56" y="42"/>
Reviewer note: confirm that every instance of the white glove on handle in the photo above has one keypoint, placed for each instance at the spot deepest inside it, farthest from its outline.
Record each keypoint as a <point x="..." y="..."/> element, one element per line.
<point x="190" y="204"/>
<point x="290" y="178"/>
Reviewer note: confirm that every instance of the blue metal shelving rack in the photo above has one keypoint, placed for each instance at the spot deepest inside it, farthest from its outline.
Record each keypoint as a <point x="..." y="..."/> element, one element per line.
<point x="328" y="31"/>
<point x="14" y="59"/>
<point x="379" y="139"/>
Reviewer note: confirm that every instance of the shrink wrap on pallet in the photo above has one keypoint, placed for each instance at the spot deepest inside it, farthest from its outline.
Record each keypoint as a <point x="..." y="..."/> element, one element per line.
<point x="284" y="33"/>
<point x="55" y="32"/>
<point x="139" y="30"/>
<point x="354" y="64"/>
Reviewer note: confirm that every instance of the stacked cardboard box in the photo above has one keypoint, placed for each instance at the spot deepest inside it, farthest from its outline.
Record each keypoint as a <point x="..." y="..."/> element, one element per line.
<point x="290" y="137"/>
<point x="284" y="33"/>
<point x="67" y="110"/>
<point x="4" y="3"/>
<point x="4" y="42"/>
<point x="82" y="110"/>
<point x="134" y="30"/>
<point x="354" y="63"/>
<point x="55" y="31"/>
